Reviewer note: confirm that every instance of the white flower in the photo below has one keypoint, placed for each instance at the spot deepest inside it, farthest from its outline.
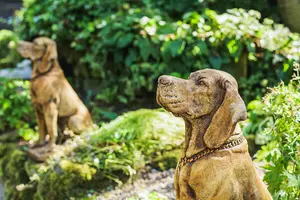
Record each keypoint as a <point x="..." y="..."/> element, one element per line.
<point x="20" y="187"/>
<point x="144" y="20"/>
<point x="96" y="161"/>
<point x="34" y="177"/>
<point x="151" y="30"/>
<point x="162" y="23"/>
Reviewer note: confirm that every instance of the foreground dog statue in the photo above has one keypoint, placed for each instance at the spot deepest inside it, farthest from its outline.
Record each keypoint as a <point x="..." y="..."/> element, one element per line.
<point x="54" y="99"/>
<point x="216" y="164"/>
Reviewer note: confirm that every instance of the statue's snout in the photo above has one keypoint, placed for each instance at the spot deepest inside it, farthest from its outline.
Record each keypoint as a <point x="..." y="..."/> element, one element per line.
<point x="165" y="80"/>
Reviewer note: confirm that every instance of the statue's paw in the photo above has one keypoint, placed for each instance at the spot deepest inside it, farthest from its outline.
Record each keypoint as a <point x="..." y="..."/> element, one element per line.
<point x="37" y="144"/>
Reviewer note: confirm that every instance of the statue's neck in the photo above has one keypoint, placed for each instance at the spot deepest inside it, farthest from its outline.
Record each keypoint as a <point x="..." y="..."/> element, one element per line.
<point x="194" y="133"/>
<point x="55" y="68"/>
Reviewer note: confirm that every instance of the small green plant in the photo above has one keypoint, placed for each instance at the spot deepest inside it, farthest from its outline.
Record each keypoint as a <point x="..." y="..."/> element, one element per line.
<point x="16" y="110"/>
<point x="8" y="54"/>
<point x="282" y="153"/>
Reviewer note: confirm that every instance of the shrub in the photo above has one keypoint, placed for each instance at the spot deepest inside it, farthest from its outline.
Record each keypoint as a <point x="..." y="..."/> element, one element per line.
<point x="178" y="8"/>
<point x="8" y="54"/>
<point x="281" y="153"/>
<point x="95" y="160"/>
<point x="128" y="45"/>
<point x="16" y="110"/>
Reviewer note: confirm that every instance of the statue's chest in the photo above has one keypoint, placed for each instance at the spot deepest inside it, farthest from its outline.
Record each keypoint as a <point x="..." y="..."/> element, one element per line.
<point x="44" y="88"/>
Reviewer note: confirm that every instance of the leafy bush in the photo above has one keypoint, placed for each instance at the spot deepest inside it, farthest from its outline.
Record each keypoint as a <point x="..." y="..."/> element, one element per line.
<point x="178" y="8"/>
<point x="257" y="121"/>
<point x="16" y="110"/>
<point x="94" y="160"/>
<point x="8" y="55"/>
<point x="128" y="45"/>
<point x="282" y="151"/>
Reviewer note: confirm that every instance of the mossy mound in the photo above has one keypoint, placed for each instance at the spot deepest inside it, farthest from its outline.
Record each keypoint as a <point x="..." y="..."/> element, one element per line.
<point x="95" y="160"/>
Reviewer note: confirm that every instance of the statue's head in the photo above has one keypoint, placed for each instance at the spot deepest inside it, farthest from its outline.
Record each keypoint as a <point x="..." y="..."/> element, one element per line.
<point x="41" y="52"/>
<point x="206" y="93"/>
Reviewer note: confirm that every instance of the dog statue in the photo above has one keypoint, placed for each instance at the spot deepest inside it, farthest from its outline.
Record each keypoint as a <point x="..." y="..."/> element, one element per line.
<point x="216" y="164"/>
<point x="53" y="98"/>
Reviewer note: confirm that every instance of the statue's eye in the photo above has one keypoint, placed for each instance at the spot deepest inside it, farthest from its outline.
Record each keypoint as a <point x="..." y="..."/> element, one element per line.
<point x="199" y="81"/>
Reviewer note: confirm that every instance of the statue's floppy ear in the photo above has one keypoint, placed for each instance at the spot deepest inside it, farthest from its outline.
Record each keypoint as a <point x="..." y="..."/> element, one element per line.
<point x="231" y="111"/>
<point x="49" y="55"/>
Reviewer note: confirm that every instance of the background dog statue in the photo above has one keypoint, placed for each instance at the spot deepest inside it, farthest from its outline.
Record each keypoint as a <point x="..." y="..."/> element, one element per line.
<point x="216" y="164"/>
<point x="54" y="99"/>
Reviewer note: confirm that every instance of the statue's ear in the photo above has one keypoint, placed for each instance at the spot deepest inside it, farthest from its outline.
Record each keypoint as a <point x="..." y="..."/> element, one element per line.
<point x="49" y="55"/>
<point x="231" y="111"/>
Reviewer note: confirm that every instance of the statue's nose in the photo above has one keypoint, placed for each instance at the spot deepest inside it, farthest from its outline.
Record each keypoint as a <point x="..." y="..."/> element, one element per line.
<point x="164" y="80"/>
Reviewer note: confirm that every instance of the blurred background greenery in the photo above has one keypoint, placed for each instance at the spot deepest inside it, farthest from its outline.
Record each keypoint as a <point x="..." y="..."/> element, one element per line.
<point x="113" y="51"/>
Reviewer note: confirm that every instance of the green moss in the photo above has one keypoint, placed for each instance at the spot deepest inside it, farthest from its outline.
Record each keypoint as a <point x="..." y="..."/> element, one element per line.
<point x="12" y="168"/>
<point x="84" y="170"/>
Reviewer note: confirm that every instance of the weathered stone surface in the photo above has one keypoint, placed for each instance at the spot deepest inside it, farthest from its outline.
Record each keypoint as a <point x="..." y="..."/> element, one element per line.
<point x="215" y="162"/>
<point x="40" y="154"/>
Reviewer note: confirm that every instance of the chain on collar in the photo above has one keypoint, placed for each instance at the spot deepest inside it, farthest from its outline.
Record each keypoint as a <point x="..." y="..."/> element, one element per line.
<point x="43" y="73"/>
<point x="205" y="152"/>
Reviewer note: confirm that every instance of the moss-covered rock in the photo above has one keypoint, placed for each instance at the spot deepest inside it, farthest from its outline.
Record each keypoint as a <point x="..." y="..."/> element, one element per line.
<point x="95" y="160"/>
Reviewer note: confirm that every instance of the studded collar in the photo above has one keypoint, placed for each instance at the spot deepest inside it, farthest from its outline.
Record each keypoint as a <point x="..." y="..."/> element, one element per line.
<point x="183" y="161"/>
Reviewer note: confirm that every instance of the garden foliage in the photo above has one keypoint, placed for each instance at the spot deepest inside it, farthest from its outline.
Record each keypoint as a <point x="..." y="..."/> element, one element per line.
<point x="16" y="110"/>
<point x="176" y="9"/>
<point x="8" y="54"/>
<point x="95" y="160"/>
<point x="128" y="45"/>
<point x="282" y="152"/>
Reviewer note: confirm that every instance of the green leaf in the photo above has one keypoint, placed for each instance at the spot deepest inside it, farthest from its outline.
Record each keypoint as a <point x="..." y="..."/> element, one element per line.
<point x="166" y="29"/>
<point x="177" y="47"/>
<point x="173" y="48"/>
<point x="235" y="48"/>
<point x="286" y="66"/>
<point x="203" y="47"/>
<point x="293" y="180"/>
<point x="132" y="56"/>
<point x="125" y="40"/>
<point x="6" y="104"/>
<point x="108" y="114"/>
<point x="215" y="61"/>
<point x="255" y="104"/>
<point x="145" y="47"/>
<point x="232" y="46"/>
